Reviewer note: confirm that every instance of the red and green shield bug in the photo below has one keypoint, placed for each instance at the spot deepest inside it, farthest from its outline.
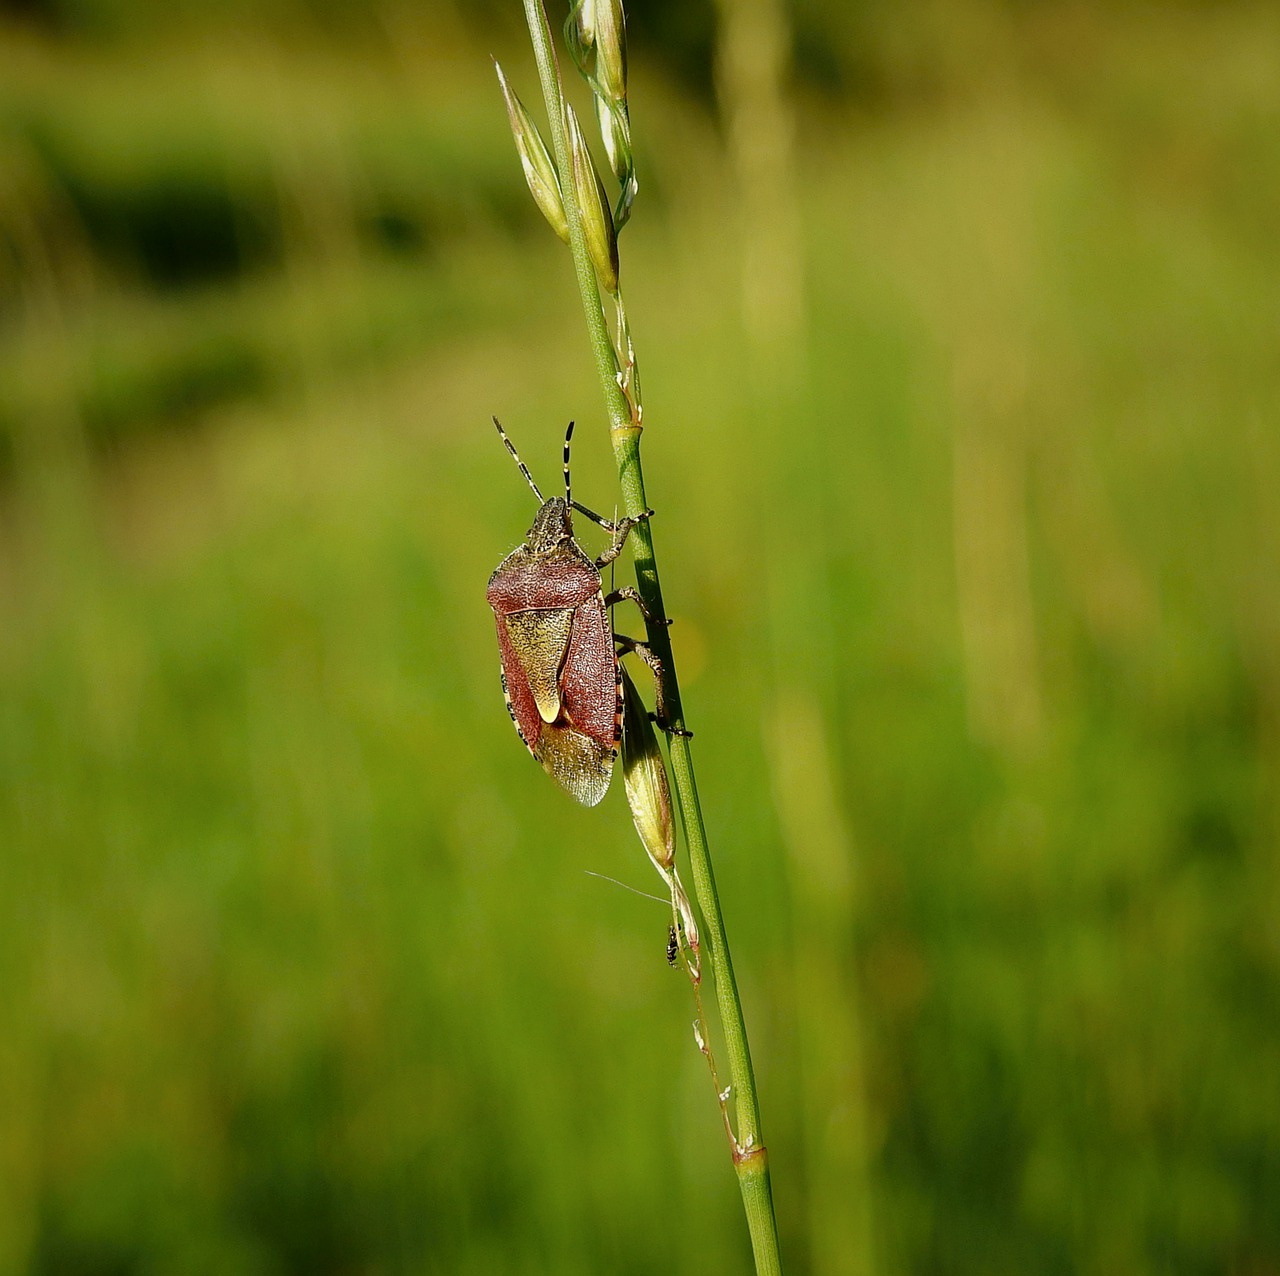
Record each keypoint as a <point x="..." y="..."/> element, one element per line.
<point x="560" y="671"/>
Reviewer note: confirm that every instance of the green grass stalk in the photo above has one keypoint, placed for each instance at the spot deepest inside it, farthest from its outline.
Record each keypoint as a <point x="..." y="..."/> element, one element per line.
<point x="750" y="1157"/>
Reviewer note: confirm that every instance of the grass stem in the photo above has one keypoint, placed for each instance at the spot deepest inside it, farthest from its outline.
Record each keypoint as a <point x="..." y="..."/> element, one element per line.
<point x="750" y="1158"/>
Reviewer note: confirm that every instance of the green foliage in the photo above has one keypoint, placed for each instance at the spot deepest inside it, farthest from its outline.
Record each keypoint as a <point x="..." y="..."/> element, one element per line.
<point x="302" y="967"/>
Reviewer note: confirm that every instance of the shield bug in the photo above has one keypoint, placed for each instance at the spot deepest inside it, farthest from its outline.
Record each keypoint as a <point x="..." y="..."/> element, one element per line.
<point x="560" y="671"/>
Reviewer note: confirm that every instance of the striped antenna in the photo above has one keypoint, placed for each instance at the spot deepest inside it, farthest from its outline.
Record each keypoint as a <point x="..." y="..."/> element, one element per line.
<point x="568" y="435"/>
<point x="524" y="469"/>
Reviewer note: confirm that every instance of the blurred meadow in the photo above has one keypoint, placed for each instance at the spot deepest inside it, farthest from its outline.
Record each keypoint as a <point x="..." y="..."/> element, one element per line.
<point x="958" y="327"/>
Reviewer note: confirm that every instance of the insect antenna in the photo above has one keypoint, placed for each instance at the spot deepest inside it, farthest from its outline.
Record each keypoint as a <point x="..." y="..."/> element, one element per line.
<point x="524" y="469"/>
<point x="568" y="496"/>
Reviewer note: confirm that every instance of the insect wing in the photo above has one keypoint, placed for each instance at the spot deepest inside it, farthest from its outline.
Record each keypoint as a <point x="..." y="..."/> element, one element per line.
<point x="576" y="762"/>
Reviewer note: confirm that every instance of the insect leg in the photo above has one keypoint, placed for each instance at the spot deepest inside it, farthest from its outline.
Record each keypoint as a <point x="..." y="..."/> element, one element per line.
<point x="609" y="525"/>
<point x="631" y="645"/>
<point x="627" y="592"/>
<point x="620" y="530"/>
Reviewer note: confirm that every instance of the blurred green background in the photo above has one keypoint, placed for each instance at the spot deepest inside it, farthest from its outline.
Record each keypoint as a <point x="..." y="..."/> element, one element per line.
<point x="958" y="328"/>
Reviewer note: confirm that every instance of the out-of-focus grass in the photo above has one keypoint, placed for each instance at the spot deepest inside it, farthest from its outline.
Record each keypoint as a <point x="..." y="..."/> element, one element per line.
<point x="303" y="970"/>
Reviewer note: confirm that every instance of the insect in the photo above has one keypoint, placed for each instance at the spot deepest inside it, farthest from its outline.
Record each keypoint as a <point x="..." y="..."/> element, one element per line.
<point x="560" y="671"/>
<point x="673" y="946"/>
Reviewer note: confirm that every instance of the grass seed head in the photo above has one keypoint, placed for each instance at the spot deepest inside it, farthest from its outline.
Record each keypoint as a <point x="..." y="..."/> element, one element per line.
<point x="615" y="131"/>
<point x="539" y="170"/>
<point x="644" y="775"/>
<point x="597" y="216"/>
<point x="610" y="31"/>
<point x="584" y="17"/>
